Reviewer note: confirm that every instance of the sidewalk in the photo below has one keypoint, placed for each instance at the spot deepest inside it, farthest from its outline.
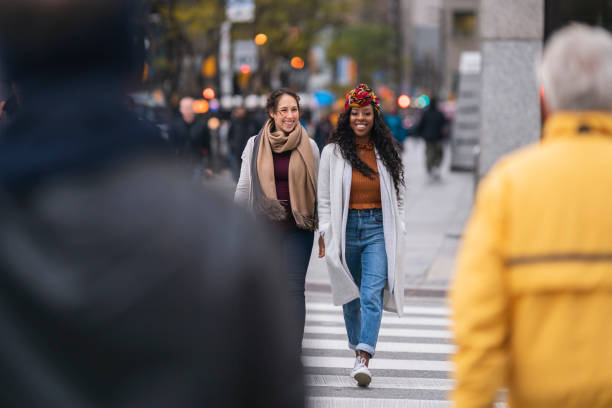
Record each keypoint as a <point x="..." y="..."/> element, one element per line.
<point x="436" y="212"/>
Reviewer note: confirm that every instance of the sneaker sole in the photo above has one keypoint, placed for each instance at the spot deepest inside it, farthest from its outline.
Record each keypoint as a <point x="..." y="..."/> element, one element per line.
<point x="363" y="379"/>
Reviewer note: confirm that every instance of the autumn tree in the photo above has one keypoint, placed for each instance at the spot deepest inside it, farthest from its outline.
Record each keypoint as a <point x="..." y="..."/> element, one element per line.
<point x="368" y="44"/>
<point x="186" y="32"/>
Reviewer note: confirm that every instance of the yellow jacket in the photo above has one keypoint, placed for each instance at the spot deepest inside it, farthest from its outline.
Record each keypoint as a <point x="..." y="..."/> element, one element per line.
<point x="532" y="297"/>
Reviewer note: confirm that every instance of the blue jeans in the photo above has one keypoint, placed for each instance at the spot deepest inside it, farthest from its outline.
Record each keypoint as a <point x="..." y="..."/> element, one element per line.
<point x="367" y="262"/>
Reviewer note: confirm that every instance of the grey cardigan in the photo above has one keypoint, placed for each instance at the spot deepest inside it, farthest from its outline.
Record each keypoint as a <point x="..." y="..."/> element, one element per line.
<point x="333" y="192"/>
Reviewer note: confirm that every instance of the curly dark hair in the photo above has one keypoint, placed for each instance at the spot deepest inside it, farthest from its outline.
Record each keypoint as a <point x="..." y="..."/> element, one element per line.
<point x="384" y="142"/>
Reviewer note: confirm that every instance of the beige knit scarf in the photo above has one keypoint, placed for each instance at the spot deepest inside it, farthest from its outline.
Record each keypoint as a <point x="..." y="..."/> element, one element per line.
<point x="302" y="175"/>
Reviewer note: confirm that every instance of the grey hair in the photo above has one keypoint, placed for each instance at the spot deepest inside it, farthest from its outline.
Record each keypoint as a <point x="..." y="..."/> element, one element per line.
<point x="576" y="69"/>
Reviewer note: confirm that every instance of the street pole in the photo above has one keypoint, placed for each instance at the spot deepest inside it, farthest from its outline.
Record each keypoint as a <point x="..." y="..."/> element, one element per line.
<point x="225" y="60"/>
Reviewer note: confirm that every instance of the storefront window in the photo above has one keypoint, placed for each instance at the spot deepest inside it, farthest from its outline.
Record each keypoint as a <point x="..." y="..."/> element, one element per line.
<point x="464" y="24"/>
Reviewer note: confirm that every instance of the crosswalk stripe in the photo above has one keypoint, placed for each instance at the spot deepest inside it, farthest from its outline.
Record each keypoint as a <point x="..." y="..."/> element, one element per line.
<point x="398" y="383"/>
<point x="322" y="402"/>
<point x="412" y="369"/>
<point x="377" y="363"/>
<point x="423" y="321"/>
<point x="433" y="310"/>
<point x="382" y="346"/>
<point x="384" y="331"/>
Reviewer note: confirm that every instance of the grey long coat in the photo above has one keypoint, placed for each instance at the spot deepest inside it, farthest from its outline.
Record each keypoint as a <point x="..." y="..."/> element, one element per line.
<point x="334" y="190"/>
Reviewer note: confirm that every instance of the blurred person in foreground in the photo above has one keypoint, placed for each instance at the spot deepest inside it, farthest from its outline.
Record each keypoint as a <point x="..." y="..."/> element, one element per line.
<point x="120" y="285"/>
<point x="533" y="292"/>
<point x="431" y="128"/>
<point x="9" y="105"/>
<point x="190" y="139"/>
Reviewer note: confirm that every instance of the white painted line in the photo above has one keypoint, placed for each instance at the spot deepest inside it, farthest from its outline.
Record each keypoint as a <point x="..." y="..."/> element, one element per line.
<point x="434" y="310"/>
<point x="398" y="383"/>
<point x="323" y="344"/>
<point x="384" y="331"/>
<point x="323" y="307"/>
<point x="329" y="402"/>
<point x="377" y="363"/>
<point x="426" y="321"/>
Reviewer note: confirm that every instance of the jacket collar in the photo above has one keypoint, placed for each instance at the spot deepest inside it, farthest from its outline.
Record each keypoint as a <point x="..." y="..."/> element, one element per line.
<point x="573" y="124"/>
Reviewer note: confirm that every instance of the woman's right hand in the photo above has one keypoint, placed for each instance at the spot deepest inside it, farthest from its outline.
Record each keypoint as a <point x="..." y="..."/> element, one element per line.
<point x="321" y="247"/>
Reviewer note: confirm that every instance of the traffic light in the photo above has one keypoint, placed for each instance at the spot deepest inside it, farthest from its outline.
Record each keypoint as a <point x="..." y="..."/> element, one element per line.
<point x="403" y="101"/>
<point x="424" y="101"/>
<point x="213" y="123"/>
<point x="245" y="69"/>
<point x="200" y="106"/>
<point x="209" y="67"/>
<point x="261" y="39"/>
<point x="297" y="63"/>
<point x="208" y="93"/>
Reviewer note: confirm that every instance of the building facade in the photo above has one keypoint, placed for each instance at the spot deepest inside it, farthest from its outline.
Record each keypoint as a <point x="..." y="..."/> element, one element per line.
<point x="459" y="33"/>
<point x="512" y="38"/>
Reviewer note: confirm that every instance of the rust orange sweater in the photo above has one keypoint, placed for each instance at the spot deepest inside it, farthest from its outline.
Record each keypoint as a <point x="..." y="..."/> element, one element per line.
<point x="365" y="192"/>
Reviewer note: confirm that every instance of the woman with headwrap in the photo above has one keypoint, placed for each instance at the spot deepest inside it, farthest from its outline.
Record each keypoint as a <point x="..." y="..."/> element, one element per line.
<point x="361" y="222"/>
<point x="278" y="182"/>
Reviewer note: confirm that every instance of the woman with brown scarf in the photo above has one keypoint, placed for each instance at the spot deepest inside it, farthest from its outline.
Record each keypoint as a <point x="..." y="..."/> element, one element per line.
<point x="278" y="182"/>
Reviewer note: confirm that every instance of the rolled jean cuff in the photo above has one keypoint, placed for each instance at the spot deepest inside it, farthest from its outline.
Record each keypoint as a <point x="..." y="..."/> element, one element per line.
<point x="365" y="347"/>
<point x="352" y="346"/>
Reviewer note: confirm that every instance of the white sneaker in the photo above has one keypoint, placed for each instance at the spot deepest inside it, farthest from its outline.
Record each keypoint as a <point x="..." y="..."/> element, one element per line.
<point x="361" y="373"/>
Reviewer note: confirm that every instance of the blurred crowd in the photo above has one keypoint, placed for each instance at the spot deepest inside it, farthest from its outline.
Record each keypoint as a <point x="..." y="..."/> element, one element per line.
<point x="212" y="144"/>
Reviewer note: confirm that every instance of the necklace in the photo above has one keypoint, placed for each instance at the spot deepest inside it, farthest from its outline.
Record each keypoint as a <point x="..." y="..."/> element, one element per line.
<point x="363" y="148"/>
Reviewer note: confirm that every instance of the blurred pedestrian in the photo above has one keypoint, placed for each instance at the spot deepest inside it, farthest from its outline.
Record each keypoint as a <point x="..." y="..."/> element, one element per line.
<point x="533" y="292"/>
<point x="394" y="122"/>
<point x="241" y="127"/>
<point x="305" y="119"/>
<point x="190" y="137"/>
<point x="361" y="223"/>
<point x="278" y="182"/>
<point x="431" y="129"/>
<point x="120" y="283"/>
<point x="323" y="130"/>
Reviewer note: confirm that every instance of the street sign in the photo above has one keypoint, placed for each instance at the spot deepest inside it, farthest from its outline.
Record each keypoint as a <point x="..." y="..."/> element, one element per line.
<point x="346" y="69"/>
<point x="469" y="62"/>
<point x="240" y="11"/>
<point x="245" y="53"/>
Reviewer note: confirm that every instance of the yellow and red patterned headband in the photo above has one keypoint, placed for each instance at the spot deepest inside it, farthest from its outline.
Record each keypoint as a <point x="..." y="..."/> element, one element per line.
<point x="360" y="97"/>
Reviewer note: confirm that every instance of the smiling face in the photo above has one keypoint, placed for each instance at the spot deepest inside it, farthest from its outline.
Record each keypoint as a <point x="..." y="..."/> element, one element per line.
<point x="362" y="121"/>
<point x="287" y="115"/>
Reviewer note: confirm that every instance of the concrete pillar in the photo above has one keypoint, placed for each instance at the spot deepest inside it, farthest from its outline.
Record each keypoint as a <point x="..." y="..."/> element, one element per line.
<point x="511" y="34"/>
